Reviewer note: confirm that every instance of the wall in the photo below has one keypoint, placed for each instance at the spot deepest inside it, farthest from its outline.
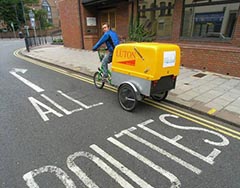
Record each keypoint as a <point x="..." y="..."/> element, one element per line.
<point x="122" y="23"/>
<point x="220" y="57"/>
<point x="236" y="37"/>
<point x="224" y="60"/>
<point x="70" y="23"/>
<point x="73" y="27"/>
<point x="123" y="18"/>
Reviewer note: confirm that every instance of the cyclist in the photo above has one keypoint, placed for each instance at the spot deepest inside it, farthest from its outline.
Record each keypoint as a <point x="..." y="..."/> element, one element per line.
<point x="110" y="38"/>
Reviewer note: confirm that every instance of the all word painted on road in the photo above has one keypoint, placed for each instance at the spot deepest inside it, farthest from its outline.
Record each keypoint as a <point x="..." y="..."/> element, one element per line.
<point x="103" y="160"/>
<point x="45" y="110"/>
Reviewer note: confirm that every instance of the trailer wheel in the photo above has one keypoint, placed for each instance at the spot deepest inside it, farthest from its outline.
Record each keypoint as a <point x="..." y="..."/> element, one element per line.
<point x="159" y="96"/>
<point x="127" y="97"/>
<point x="97" y="79"/>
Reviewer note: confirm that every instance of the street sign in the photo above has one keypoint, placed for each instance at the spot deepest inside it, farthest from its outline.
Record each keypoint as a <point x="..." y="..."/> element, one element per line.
<point x="13" y="29"/>
<point x="31" y="14"/>
<point x="32" y="20"/>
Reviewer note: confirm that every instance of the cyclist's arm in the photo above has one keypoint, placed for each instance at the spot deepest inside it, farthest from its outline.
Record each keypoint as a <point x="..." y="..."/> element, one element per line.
<point x="103" y="39"/>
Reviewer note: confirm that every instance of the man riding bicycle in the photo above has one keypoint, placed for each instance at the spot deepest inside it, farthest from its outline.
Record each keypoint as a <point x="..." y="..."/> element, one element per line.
<point x="110" y="38"/>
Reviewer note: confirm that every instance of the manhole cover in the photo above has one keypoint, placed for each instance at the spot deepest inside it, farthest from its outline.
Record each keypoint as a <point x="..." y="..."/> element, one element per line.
<point x="199" y="75"/>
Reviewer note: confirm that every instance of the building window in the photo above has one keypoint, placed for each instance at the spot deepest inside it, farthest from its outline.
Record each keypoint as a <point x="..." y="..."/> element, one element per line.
<point x="209" y="19"/>
<point x="156" y="16"/>
<point x="47" y="7"/>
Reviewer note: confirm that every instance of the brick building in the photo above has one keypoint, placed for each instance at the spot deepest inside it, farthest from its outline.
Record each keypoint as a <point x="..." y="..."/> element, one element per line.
<point x="51" y="6"/>
<point x="208" y="32"/>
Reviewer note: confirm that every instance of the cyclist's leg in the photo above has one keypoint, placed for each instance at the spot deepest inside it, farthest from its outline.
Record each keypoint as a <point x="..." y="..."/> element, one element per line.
<point x="110" y="61"/>
<point x="107" y="59"/>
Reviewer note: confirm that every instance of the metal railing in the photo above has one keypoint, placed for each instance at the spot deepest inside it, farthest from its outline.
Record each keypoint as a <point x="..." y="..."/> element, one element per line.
<point x="35" y="41"/>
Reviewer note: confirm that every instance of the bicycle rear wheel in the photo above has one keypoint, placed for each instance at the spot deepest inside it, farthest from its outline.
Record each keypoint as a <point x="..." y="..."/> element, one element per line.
<point x="159" y="96"/>
<point x="127" y="97"/>
<point x="98" y="81"/>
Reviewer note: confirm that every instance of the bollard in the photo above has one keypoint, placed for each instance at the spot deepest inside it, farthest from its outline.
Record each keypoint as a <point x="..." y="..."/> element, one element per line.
<point x="27" y="44"/>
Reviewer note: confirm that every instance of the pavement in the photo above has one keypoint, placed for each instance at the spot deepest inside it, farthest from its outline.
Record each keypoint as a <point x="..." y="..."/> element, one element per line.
<point x="209" y="93"/>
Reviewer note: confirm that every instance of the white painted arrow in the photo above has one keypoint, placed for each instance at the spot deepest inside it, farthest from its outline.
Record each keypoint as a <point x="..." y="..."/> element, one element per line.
<point x="19" y="70"/>
<point x="25" y="81"/>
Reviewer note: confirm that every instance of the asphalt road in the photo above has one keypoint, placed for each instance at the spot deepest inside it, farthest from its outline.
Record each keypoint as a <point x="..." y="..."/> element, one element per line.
<point x="58" y="130"/>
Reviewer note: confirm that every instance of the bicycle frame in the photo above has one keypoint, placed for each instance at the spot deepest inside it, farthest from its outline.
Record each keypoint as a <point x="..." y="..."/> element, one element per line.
<point x="100" y="74"/>
<point x="101" y="54"/>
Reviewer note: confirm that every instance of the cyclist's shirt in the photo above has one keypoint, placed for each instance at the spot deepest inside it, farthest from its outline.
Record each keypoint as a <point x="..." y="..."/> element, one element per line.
<point x="110" y="38"/>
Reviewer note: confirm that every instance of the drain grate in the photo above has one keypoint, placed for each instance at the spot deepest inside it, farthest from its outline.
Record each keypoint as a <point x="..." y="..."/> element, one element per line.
<point x="199" y="75"/>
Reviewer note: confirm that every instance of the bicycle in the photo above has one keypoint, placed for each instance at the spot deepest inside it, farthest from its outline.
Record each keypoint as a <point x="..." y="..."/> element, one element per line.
<point x="141" y="70"/>
<point x="99" y="82"/>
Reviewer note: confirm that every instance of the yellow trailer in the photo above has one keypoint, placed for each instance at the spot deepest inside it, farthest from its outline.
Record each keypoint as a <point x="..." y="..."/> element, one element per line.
<point x="149" y="61"/>
<point x="144" y="69"/>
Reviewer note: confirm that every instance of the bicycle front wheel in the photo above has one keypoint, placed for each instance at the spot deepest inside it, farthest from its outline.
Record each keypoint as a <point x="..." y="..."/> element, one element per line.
<point x="98" y="81"/>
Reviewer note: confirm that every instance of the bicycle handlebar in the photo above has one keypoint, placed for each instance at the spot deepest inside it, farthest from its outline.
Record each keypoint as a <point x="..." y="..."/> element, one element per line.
<point x="101" y="53"/>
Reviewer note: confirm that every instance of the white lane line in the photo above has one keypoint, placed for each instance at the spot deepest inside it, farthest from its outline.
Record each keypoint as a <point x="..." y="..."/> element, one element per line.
<point x="121" y="167"/>
<point x="172" y="178"/>
<point x="163" y="152"/>
<point x="25" y="81"/>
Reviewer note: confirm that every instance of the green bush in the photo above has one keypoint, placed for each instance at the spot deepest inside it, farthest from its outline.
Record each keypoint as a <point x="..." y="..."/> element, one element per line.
<point x="57" y="41"/>
<point x="139" y="33"/>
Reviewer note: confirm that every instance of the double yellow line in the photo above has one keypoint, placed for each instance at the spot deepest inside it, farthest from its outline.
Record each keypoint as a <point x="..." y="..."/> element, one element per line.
<point x="191" y="117"/>
<point x="194" y="118"/>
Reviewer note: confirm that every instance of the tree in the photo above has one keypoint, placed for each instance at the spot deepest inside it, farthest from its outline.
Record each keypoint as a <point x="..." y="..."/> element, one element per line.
<point x="41" y="16"/>
<point x="12" y="11"/>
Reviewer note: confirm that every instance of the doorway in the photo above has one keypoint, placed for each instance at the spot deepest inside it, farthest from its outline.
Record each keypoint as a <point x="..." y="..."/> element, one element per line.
<point x="108" y="16"/>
